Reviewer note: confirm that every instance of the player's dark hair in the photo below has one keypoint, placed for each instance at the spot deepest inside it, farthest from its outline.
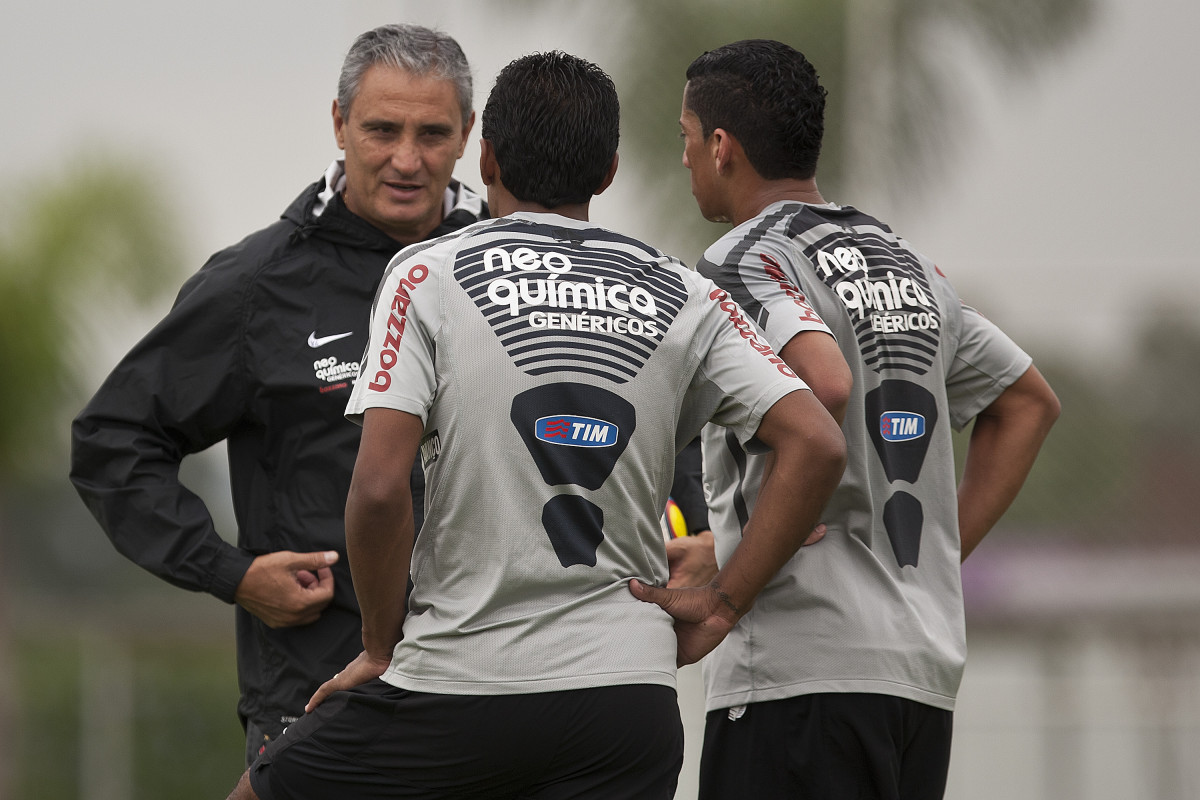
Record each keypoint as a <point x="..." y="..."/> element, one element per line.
<point x="768" y="96"/>
<point x="553" y="120"/>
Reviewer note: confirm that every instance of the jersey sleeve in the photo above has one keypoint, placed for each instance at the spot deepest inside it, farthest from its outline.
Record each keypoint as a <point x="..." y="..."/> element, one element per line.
<point x="985" y="363"/>
<point x="761" y="277"/>
<point x="180" y="390"/>
<point x="739" y="369"/>
<point x="398" y="367"/>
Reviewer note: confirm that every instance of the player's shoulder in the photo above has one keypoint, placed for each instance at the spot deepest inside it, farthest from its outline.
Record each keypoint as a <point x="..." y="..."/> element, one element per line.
<point x="745" y="246"/>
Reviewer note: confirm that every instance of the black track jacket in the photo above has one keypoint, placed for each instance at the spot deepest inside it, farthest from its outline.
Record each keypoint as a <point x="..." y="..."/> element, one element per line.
<point x="260" y="349"/>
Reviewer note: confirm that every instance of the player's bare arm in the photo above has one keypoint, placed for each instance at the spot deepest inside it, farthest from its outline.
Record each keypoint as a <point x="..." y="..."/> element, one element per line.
<point x="810" y="452"/>
<point x="817" y="359"/>
<point x="1004" y="442"/>
<point x="379" y="540"/>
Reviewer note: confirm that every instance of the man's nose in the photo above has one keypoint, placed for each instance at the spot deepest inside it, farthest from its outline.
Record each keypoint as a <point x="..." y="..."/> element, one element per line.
<point x="406" y="156"/>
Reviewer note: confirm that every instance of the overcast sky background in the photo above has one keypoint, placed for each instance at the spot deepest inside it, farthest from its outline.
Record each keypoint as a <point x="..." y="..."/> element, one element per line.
<point x="1066" y="214"/>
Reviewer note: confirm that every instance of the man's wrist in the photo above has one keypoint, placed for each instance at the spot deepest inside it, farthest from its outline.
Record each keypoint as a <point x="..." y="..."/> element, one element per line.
<point x="726" y="606"/>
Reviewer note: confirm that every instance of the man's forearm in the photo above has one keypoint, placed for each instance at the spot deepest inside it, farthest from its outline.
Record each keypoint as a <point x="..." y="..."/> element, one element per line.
<point x="1005" y="441"/>
<point x="379" y="524"/>
<point x="379" y="538"/>
<point x="807" y="466"/>
<point x="129" y="480"/>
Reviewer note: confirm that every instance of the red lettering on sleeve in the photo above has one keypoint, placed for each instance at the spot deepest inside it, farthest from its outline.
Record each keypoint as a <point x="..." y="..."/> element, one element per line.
<point x="774" y="270"/>
<point x="389" y="354"/>
<point x="748" y="332"/>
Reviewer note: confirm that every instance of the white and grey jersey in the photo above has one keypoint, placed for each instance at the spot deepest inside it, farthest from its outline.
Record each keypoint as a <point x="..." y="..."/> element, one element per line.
<point x="876" y="606"/>
<point x="558" y="368"/>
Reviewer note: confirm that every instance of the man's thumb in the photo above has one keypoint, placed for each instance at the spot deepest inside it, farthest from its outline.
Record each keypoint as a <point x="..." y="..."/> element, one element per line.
<point x="316" y="561"/>
<point x="647" y="593"/>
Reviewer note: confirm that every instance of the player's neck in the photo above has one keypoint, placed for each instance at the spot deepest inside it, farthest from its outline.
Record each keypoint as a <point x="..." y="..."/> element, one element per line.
<point x="501" y="202"/>
<point x="764" y="192"/>
<point x="572" y="211"/>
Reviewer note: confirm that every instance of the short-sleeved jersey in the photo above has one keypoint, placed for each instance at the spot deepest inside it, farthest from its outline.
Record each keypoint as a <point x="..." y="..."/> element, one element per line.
<point x="558" y="368"/>
<point x="876" y="606"/>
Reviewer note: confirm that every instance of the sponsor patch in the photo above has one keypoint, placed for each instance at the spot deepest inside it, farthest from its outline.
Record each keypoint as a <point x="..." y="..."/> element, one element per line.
<point x="431" y="448"/>
<point x="901" y="426"/>
<point x="748" y="331"/>
<point x="575" y="431"/>
<point x="560" y="306"/>
<point x="331" y="370"/>
<point x="389" y="354"/>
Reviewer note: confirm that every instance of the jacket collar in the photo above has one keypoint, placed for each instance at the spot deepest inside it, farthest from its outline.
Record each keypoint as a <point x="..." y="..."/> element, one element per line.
<point x="319" y="211"/>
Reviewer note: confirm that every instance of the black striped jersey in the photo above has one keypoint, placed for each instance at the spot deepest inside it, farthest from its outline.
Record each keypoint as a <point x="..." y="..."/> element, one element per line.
<point x="876" y="606"/>
<point x="558" y="368"/>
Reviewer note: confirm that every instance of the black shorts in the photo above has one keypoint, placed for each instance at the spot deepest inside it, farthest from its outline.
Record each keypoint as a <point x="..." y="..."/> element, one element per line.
<point x="378" y="741"/>
<point x="870" y="746"/>
<point x="256" y="741"/>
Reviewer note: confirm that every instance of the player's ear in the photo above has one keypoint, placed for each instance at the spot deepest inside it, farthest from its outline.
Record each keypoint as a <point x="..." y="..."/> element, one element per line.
<point x="489" y="170"/>
<point x="608" y="176"/>
<point x="722" y="146"/>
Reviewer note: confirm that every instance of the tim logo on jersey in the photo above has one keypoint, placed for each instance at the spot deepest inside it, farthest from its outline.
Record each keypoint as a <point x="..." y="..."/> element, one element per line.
<point x="572" y="431"/>
<point x="901" y="426"/>
<point x="569" y="430"/>
<point x="908" y="416"/>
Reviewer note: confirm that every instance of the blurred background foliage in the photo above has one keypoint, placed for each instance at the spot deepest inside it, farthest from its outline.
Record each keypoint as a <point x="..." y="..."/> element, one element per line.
<point x="71" y="242"/>
<point x="90" y="640"/>
<point x="894" y="115"/>
<point x="79" y="252"/>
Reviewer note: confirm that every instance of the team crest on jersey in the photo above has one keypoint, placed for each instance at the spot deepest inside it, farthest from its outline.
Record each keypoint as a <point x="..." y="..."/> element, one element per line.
<point x="901" y="426"/>
<point x="574" y="431"/>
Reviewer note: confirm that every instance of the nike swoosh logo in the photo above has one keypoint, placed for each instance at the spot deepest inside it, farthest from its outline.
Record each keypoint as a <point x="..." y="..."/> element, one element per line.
<point x="313" y="341"/>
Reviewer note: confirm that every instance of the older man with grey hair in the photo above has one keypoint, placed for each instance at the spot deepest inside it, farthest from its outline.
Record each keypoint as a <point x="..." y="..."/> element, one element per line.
<point x="261" y="350"/>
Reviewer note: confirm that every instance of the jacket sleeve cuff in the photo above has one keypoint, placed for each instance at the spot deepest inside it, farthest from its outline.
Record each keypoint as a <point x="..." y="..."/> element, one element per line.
<point x="229" y="570"/>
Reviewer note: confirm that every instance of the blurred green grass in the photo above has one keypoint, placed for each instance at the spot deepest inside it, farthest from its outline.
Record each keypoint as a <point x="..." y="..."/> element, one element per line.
<point x="182" y="727"/>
